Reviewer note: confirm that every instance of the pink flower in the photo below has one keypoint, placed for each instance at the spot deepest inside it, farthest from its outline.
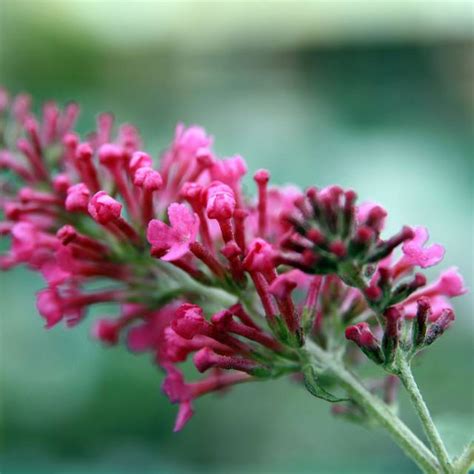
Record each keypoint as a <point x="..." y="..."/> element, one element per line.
<point x="31" y="245"/>
<point x="280" y="202"/>
<point x="179" y="392"/>
<point x="174" y="239"/>
<point x="189" y="140"/>
<point x="149" y="334"/>
<point x="230" y="170"/>
<point x="416" y="254"/>
<point x="450" y="283"/>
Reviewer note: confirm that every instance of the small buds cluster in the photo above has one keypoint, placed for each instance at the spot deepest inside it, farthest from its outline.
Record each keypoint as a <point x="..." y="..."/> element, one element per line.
<point x="400" y="333"/>
<point x="329" y="232"/>
<point x="168" y="240"/>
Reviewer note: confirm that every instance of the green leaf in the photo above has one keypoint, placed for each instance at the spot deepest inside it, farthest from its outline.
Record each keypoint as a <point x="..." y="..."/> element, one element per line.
<point x="313" y="386"/>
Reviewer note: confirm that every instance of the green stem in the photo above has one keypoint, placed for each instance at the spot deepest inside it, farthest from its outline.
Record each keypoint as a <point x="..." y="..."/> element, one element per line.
<point x="401" y="434"/>
<point x="466" y="460"/>
<point x="187" y="283"/>
<point x="406" y="376"/>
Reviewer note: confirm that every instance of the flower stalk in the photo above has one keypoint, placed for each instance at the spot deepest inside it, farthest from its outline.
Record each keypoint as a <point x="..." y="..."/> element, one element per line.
<point x="406" y="376"/>
<point x="400" y="433"/>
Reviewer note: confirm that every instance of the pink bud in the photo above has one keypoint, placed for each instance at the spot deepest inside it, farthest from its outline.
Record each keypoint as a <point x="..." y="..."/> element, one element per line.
<point x="77" y="197"/>
<point x="437" y="328"/>
<point x="71" y="140"/>
<point x="147" y="178"/>
<point x="84" y="152"/>
<point x="139" y="160"/>
<point x="104" y="208"/>
<point x="262" y="176"/>
<point x="260" y="256"/>
<point x="189" y="321"/>
<point x="61" y="183"/>
<point x="372" y="215"/>
<point x="107" y="331"/>
<point x="205" y="359"/>
<point x="110" y="155"/>
<point x="66" y="234"/>
<point x="220" y="201"/>
<point x="49" y="306"/>
<point x="361" y="334"/>
<point x="338" y="248"/>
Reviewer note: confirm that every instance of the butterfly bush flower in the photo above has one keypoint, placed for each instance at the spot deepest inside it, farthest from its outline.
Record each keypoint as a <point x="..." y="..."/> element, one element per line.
<point x="291" y="282"/>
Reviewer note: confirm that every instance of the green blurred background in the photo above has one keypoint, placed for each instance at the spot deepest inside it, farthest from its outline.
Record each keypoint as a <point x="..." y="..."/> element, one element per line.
<point x="373" y="95"/>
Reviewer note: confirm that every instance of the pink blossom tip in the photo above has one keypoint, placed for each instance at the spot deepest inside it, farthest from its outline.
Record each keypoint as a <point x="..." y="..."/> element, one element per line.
<point x="220" y="201"/>
<point x="189" y="321"/>
<point x="104" y="208"/>
<point x="139" y="159"/>
<point x="77" y="198"/>
<point x="110" y="154"/>
<point x="148" y="178"/>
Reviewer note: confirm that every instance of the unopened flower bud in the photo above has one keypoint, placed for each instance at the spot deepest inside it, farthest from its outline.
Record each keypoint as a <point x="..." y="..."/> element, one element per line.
<point x="220" y="201"/>
<point x="104" y="208"/>
<point x="437" y="328"/>
<point x="189" y="321"/>
<point x="147" y="178"/>
<point x="392" y="333"/>
<point x="110" y="155"/>
<point x="77" y="198"/>
<point x="362" y="335"/>
<point x="107" y="331"/>
<point x="419" y="326"/>
<point x="139" y="160"/>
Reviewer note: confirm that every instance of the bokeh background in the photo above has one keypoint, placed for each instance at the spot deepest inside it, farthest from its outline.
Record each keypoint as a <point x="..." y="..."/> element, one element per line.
<point x="374" y="95"/>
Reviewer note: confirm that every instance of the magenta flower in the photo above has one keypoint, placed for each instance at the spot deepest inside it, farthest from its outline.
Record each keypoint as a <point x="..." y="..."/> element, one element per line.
<point x="416" y="254"/>
<point x="450" y="283"/>
<point x="174" y="240"/>
<point x="248" y="288"/>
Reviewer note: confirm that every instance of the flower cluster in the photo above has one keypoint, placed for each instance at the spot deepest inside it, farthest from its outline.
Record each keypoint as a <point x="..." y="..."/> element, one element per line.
<point x="195" y="267"/>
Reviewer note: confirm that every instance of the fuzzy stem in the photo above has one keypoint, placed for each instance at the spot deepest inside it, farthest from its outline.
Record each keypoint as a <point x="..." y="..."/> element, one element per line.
<point x="466" y="460"/>
<point x="400" y="433"/>
<point x="406" y="376"/>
